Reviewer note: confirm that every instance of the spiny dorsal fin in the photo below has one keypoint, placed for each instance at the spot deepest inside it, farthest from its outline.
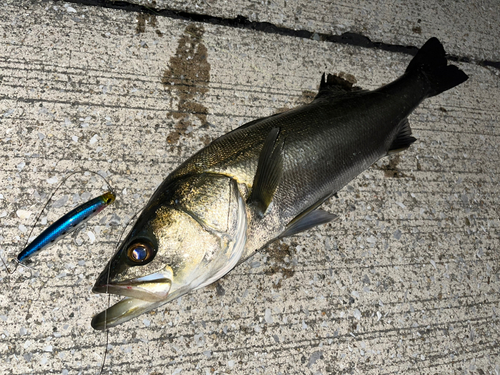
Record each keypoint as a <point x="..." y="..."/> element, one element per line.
<point x="403" y="139"/>
<point x="268" y="174"/>
<point x="335" y="85"/>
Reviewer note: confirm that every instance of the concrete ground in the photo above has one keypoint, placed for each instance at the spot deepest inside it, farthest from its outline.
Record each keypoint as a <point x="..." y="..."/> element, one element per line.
<point x="407" y="280"/>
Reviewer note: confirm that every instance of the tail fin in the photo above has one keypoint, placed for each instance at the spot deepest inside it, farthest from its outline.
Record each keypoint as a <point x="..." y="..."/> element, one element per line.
<point x="431" y="61"/>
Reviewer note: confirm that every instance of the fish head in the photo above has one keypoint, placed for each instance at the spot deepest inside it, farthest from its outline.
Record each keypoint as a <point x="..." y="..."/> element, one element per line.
<point x="190" y="234"/>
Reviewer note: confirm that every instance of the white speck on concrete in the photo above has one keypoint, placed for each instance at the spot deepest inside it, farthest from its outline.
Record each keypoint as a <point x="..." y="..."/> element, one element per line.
<point x="74" y="138"/>
<point x="357" y="314"/>
<point x="433" y="264"/>
<point x="147" y="322"/>
<point x="69" y="9"/>
<point x="93" y="140"/>
<point x="48" y="348"/>
<point x="91" y="236"/>
<point x="20" y="166"/>
<point x="401" y="205"/>
<point x="52" y="180"/>
<point x="397" y="234"/>
<point x="199" y="339"/>
<point x="23" y="214"/>
<point x="23" y="228"/>
<point x="60" y="202"/>
<point x="8" y="112"/>
<point x="268" y="317"/>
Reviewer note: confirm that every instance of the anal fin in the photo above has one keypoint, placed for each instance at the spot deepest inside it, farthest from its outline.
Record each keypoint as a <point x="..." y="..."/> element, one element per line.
<point x="268" y="174"/>
<point x="403" y="139"/>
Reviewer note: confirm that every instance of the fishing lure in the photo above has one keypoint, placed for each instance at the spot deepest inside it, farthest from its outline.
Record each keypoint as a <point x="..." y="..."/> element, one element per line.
<point x="67" y="224"/>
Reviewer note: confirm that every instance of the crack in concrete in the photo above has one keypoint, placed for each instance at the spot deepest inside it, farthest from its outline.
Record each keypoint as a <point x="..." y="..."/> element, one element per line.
<point x="241" y="22"/>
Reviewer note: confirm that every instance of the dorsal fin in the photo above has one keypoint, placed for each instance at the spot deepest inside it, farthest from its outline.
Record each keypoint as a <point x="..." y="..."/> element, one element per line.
<point x="335" y="85"/>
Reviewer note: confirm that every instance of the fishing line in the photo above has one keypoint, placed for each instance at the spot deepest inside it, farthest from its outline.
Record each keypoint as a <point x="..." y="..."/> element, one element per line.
<point x="109" y="295"/>
<point x="110" y="188"/>
<point x="43" y="209"/>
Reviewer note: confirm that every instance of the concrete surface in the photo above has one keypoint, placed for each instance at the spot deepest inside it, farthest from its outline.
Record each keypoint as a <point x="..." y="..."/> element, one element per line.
<point x="468" y="28"/>
<point x="406" y="281"/>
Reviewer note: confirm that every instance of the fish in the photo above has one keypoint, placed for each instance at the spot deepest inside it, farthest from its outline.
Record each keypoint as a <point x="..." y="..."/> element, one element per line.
<point x="261" y="182"/>
<point x="67" y="224"/>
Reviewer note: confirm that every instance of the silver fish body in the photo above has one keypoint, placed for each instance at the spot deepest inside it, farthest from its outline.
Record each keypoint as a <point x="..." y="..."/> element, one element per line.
<point x="264" y="180"/>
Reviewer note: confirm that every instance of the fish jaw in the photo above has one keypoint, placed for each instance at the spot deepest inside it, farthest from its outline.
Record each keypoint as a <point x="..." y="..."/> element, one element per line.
<point x="126" y="309"/>
<point x="151" y="288"/>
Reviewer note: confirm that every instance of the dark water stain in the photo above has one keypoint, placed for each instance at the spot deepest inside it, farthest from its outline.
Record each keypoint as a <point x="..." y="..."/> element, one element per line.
<point x="349" y="78"/>
<point x="417" y="30"/>
<point x="142" y="18"/>
<point x="343" y="79"/>
<point x="187" y="78"/>
<point x="306" y="98"/>
<point x="278" y="252"/>
<point x="391" y="169"/>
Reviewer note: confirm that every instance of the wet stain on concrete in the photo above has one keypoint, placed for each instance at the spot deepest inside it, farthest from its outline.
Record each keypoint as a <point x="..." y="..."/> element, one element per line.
<point x="345" y="80"/>
<point x="350" y="79"/>
<point x="391" y="169"/>
<point x="187" y="78"/>
<point x="417" y="30"/>
<point x="280" y="261"/>
<point x="142" y="18"/>
<point x="306" y="98"/>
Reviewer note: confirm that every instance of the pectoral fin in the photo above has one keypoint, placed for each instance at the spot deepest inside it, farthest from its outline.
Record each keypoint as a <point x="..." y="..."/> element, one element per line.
<point x="307" y="221"/>
<point x="268" y="174"/>
<point x="309" y="218"/>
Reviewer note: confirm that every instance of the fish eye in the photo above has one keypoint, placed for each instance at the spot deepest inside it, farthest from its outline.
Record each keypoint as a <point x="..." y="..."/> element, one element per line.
<point x="140" y="252"/>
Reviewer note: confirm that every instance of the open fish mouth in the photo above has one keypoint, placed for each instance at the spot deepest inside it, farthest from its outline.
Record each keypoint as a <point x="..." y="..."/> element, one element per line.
<point x="126" y="309"/>
<point x="141" y="295"/>
<point x="152" y="288"/>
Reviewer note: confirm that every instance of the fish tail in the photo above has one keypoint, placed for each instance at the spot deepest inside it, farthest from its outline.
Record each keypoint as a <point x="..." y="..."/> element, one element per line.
<point x="431" y="62"/>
